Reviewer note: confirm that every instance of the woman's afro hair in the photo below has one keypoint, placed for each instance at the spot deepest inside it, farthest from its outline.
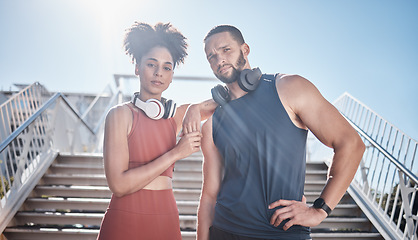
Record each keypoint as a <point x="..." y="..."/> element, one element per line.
<point x="142" y="37"/>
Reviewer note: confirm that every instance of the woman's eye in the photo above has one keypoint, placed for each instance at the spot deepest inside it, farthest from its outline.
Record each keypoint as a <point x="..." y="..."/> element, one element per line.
<point x="167" y="68"/>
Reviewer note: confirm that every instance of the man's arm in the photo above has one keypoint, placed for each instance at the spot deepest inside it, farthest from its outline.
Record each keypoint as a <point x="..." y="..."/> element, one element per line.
<point x="197" y="113"/>
<point x="212" y="175"/>
<point x="314" y="112"/>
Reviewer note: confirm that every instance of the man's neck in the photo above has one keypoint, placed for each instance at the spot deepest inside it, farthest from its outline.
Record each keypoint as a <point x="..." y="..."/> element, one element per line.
<point x="235" y="90"/>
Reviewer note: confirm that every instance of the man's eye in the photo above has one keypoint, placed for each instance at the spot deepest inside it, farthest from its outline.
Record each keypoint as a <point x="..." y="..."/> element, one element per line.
<point x="167" y="68"/>
<point x="150" y="65"/>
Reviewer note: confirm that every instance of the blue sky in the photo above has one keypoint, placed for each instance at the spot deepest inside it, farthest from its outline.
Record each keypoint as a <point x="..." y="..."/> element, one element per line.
<point x="367" y="48"/>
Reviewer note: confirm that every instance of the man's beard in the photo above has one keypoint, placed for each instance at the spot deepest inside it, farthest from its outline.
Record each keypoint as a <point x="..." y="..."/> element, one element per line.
<point x="236" y="71"/>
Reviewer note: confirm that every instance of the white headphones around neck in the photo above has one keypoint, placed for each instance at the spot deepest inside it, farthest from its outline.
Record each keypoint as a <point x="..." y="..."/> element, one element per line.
<point x="155" y="109"/>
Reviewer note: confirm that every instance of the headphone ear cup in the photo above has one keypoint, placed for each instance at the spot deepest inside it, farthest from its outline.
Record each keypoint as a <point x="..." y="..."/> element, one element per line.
<point x="249" y="79"/>
<point x="169" y="109"/>
<point x="220" y="95"/>
<point x="154" y="109"/>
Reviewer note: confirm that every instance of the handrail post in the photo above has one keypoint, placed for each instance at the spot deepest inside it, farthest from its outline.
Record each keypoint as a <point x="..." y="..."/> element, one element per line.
<point x="406" y="203"/>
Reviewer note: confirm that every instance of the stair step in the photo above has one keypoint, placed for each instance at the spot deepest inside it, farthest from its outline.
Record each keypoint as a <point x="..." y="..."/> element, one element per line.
<point x="64" y="168"/>
<point x="187" y="207"/>
<point x="190" y="173"/>
<point x="188" y="235"/>
<point x="188" y="222"/>
<point x="189" y="163"/>
<point x="52" y="204"/>
<point x="316" y="166"/>
<point x="337" y="223"/>
<point x="311" y="196"/>
<point x="346" y="210"/>
<point x="347" y="236"/>
<point x="74" y="179"/>
<point x="186" y="194"/>
<point x="90" y="159"/>
<point x="316" y="175"/>
<point x="187" y="183"/>
<point x="61" y="218"/>
<point x="73" y="191"/>
<point x="314" y="185"/>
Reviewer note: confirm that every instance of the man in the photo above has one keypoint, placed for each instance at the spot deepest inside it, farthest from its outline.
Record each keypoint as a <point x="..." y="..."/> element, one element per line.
<point x="254" y="150"/>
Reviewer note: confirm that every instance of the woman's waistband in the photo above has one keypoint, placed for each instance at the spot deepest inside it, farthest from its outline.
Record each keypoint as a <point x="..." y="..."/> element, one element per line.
<point x="146" y="201"/>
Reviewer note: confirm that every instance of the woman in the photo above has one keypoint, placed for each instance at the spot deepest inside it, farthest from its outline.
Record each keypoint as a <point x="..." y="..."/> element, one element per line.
<point x="140" y="152"/>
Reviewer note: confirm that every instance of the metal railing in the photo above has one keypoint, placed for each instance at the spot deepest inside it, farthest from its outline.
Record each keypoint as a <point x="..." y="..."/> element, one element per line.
<point x="34" y="138"/>
<point x="20" y="107"/>
<point x="386" y="182"/>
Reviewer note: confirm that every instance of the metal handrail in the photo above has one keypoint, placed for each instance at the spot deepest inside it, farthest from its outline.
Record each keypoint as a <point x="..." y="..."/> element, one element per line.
<point x="38" y="113"/>
<point x="398" y="164"/>
<point x="385" y="184"/>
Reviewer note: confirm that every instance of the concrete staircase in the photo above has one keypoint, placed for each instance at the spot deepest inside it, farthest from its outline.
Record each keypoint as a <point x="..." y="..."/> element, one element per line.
<point x="70" y="200"/>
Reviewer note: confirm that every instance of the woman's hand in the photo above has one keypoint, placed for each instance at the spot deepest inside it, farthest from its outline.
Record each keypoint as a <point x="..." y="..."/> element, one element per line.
<point x="188" y="144"/>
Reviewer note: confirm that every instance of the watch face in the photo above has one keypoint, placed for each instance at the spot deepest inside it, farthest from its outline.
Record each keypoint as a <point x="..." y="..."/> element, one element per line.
<point x="318" y="203"/>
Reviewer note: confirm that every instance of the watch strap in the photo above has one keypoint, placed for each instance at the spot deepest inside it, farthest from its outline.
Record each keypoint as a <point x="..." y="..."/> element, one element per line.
<point x="320" y="203"/>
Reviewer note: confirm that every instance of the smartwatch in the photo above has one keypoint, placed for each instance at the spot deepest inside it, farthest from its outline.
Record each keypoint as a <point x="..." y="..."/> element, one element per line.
<point x="320" y="203"/>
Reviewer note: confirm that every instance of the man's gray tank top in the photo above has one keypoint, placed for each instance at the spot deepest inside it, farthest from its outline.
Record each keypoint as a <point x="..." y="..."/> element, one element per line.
<point x="264" y="161"/>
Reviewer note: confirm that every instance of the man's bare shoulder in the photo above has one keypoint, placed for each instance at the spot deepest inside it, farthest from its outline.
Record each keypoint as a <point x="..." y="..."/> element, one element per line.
<point x="293" y="85"/>
<point x="296" y="94"/>
<point x="291" y="81"/>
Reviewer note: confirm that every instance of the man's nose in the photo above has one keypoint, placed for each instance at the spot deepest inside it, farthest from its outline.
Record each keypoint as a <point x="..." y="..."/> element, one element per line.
<point x="220" y="61"/>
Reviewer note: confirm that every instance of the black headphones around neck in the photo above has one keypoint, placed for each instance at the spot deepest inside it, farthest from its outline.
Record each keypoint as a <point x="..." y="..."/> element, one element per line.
<point x="155" y="109"/>
<point x="248" y="81"/>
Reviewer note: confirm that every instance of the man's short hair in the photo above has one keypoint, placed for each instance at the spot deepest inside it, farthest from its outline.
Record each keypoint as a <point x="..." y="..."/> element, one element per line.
<point x="235" y="32"/>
